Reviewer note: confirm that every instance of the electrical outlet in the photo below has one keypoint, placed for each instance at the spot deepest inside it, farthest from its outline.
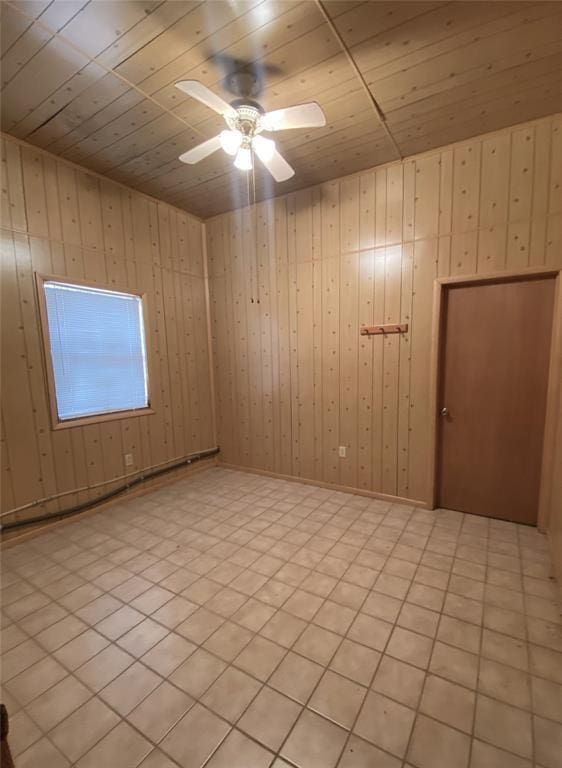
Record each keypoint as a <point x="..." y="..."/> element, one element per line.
<point x="341" y="451"/>
<point x="128" y="459"/>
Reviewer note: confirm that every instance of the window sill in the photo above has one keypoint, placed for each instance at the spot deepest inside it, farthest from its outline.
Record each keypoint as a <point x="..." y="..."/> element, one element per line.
<point x="100" y="418"/>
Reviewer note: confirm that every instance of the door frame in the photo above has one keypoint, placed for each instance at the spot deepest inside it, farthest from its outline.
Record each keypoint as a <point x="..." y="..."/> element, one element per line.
<point x="440" y="286"/>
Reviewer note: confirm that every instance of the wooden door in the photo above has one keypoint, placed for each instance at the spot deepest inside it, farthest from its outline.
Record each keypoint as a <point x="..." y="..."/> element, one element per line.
<point x="493" y="374"/>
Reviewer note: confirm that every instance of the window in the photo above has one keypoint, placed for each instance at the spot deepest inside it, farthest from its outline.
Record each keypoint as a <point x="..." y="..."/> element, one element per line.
<point x="96" y="349"/>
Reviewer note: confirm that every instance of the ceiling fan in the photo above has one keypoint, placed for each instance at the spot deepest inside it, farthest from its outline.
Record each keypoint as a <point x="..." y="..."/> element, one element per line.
<point x="246" y="120"/>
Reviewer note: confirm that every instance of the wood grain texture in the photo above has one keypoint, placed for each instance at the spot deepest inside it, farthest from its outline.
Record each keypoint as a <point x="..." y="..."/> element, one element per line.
<point x="59" y="220"/>
<point x="94" y="83"/>
<point x="294" y="377"/>
<point x="494" y="369"/>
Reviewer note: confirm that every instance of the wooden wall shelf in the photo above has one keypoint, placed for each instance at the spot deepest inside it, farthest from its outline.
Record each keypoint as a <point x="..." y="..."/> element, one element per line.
<point x="373" y="330"/>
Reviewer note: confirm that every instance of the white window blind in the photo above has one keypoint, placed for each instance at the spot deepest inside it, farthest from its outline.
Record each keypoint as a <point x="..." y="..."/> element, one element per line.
<point x="97" y="349"/>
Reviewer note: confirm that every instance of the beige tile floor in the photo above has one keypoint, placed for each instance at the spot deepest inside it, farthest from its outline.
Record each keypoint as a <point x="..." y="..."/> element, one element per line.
<point x="235" y="621"/>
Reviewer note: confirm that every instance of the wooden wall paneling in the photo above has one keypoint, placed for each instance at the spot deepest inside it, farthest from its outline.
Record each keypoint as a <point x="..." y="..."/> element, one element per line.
<point x="35" y="255"/>
<point x="405" y="359"/>
<point x="20" y="420"/>
<point x="466" y="187"/>
<point x="365" y="316"/>
<point x="304" y="295"/>
<point x="157" y="282"/>
<point x="57" y="219"/>
<point x="316" y="238"/>
<point x="554" y="241"/>
<point x="193" y="426"/>
<point x="520" y="198"/>
<point x="11" y="165"/>
<point x="424" y="273"/>
<point x="540" y="183"/>
<point x="271" y="271"/>
<point x="263" y="211"/>
<point x="376" y="241"/>
<point x="169" y="275"/>
<point x="217" y="300"/>
<point x="182" y="267"/>
<point x="330" y="328"/>
<point x="426" y="214"/>
<point x="140" y="234"/>
<point x="555" y="188"/>
<point x="553" y="256"/>
<point x="196" y="351"/>
<point x="133" y="278"/>
<point x="494" y="195"/>
<point x="391" y="359"/>
<point x="21" y="423"/>
<point x="392" y="311"/>
<point x="253" y="337"/>
<point x="378" y="368"/>
<point x="444" y="255"/>
<point x="293" y="338"/>
<point x="57" y="444"/>
<point x="466" y="199"/>
<point x="349" y="328"/>
<point x="205" y="403"/>
<point x="284" y="459"/>
<point x="8" y="495"/>
<point x="55" y="453"/>
<point x="394" y="203"/>
<point x="223" y="327"/>
<point x="464" y="253"/>
<point x="367" y="211"/>
<point x="241" y="298"/>
<point x="196" y="245"/>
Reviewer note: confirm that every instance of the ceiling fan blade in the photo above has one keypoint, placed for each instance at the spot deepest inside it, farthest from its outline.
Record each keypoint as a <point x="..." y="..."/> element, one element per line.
<point x="276" y="164"/>
<point x="201" y="151"/>
<point x="308" y="115"/>
<point x="198" y="91"/>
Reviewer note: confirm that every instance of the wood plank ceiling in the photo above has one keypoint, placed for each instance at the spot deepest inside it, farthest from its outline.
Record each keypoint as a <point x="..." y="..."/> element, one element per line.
<point x="94" y="82"/>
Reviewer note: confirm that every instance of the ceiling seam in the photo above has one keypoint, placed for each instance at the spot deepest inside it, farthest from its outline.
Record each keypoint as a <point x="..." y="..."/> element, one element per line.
<point x="378" y="111"/>
<point x="109" y="70"/>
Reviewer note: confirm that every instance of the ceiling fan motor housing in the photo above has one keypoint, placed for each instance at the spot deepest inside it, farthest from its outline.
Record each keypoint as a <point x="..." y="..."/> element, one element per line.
<point x="247" y="119"/>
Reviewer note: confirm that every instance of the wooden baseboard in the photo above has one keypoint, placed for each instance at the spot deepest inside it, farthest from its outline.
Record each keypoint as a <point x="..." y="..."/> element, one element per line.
<point x="331" y="486"/>
<point x="17" y="535"/>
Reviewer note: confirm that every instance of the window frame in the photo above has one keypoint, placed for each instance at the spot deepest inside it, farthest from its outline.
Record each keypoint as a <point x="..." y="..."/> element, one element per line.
<point x="56" y="422"/>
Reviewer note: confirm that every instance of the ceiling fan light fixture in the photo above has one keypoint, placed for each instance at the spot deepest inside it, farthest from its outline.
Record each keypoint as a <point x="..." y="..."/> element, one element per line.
<point x="231" y="141"/>
<point x="243" y="160"/>
<point x="245" y="120"/>
<point x="264" y="148"/>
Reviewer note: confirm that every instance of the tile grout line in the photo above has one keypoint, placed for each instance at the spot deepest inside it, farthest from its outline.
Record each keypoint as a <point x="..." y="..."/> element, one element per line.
<point x="359" y="512"/>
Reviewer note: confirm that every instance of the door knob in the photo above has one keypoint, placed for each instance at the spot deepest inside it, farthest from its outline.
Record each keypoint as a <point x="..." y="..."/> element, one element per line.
<point x="444" y="411"/>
